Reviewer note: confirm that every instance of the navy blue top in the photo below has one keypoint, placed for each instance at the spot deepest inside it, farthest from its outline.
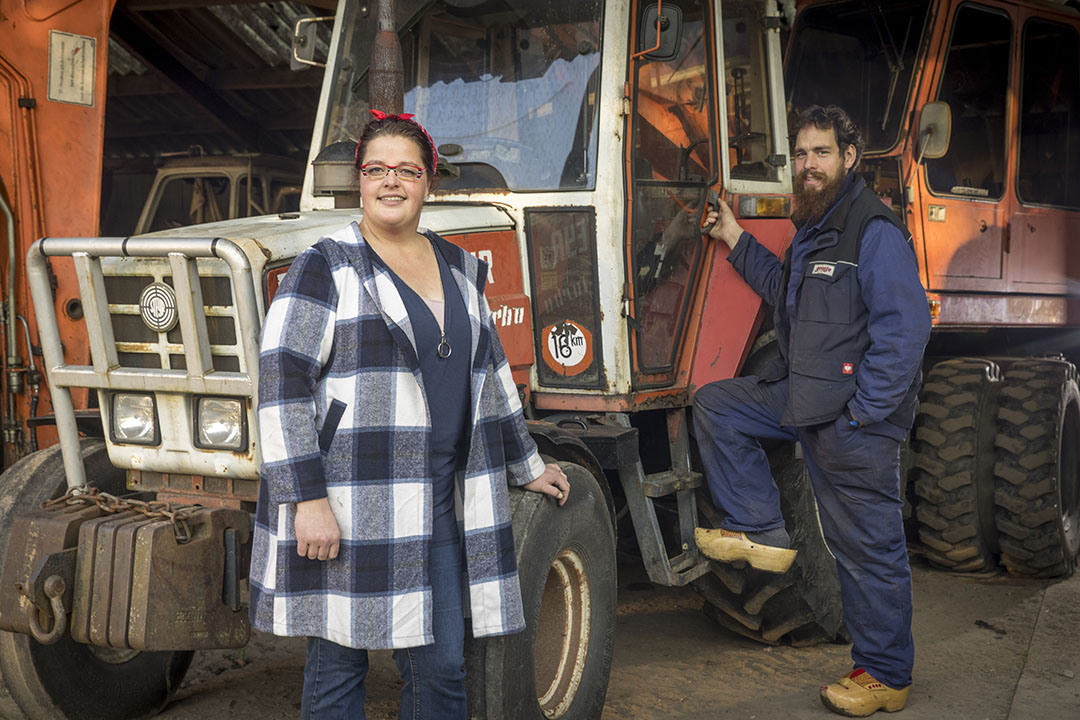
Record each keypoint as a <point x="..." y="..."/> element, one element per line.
<point x="889" y="284"/>
<point x="446" y="386"/>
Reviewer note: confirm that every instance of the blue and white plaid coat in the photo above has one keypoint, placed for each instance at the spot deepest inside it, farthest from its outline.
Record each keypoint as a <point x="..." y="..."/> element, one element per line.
<point x="337" y="343"/>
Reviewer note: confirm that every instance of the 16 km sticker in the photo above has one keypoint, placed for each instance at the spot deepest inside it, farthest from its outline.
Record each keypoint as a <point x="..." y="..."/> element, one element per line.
<point x="567" y="348"/>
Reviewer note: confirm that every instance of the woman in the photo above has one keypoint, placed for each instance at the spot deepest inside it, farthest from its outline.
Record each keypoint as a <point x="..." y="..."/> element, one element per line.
<point x="385" y="400"/>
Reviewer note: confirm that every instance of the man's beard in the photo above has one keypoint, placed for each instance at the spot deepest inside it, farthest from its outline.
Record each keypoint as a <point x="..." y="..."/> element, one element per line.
<point x="811" y="204"/>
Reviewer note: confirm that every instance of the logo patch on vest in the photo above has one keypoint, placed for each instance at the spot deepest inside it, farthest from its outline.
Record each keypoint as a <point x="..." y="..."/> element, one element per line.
<point x="822" y="268"/>
<point x="848" y="368"/>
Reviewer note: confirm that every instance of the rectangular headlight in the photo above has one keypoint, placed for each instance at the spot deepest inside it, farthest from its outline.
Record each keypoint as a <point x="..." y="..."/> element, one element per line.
<point x="134" y="419"/>
<point x="220" y="423"/>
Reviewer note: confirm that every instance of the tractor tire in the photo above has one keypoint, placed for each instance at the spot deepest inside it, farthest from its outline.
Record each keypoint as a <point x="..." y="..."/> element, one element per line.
<point x="559" y="666"/>
<point x="69" y="679"/>
<point x="1037" y="468"/>
<point x="952" y="455"/>
<point x="800" y="607"/>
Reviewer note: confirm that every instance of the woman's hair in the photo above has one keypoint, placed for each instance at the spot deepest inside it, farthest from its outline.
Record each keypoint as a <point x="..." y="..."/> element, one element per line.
<point x="831" y="118"/>
<point x="398" y="126"/>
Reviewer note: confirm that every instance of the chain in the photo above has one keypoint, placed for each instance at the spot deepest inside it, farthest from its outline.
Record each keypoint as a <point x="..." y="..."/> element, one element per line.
<point x="178" y="515"/>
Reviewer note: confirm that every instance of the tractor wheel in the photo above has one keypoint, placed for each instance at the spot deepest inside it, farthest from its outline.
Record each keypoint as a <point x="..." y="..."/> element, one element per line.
<point x="1037" y="468"/>
<point x="69" y="679"/>
<point x="800" y="607"/>
<point x="559" y="666"/>
<point x="952" y="453"/>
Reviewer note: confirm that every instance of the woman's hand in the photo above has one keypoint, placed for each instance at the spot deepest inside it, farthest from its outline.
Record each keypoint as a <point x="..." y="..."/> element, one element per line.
<point x="552" y="482"/>
<point x="317" y="532"/>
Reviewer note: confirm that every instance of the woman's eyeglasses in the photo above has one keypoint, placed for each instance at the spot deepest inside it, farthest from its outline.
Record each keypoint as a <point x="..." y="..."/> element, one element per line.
<point x="376" y="171"/>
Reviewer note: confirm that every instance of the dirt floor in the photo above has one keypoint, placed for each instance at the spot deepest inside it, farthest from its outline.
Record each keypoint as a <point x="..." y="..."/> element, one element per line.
<point x="977" y="643"/>
<point x="991" y="648"/>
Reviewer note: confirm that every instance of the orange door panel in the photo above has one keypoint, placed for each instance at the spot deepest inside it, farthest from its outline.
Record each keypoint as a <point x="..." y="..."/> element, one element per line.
<point x="964" y="243"/>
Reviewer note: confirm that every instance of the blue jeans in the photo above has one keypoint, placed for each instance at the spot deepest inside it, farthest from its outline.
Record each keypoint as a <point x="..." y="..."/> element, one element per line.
<point x="856" y="479"/>
<point x="434" y="674"/>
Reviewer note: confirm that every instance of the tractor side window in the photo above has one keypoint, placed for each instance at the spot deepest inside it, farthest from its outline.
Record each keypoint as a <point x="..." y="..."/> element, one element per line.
<point x="285" y="196"/>
<point x="249" y="205"/>
<point x="747" y="93"/>
<point x="672" y="118"/>
<point x="976" y="85"/>
<point x="1050" y="116"/>
<point x="191" y="201"/>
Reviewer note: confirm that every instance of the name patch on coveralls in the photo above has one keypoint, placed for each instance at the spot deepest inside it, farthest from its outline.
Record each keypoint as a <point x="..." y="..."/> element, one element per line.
<point x="823" y="268"/>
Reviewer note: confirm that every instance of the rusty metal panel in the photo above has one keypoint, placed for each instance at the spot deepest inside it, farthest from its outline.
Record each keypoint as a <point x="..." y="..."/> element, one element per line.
<point x="35" y="536"/>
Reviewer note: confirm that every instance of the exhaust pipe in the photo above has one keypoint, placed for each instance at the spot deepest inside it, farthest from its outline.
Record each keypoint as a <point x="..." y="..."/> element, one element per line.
<point x="386" y="76"/>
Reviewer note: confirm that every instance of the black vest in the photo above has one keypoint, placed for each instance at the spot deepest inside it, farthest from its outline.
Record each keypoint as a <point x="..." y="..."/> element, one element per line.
<point x="822" y="357"/>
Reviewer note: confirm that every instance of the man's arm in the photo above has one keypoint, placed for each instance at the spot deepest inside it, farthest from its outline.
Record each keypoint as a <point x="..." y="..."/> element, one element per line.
<point x="899" y="322"/>
<point x="753" y="261"/>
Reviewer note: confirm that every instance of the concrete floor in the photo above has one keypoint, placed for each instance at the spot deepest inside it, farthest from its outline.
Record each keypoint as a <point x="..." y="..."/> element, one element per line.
<point x="987" y="649"/>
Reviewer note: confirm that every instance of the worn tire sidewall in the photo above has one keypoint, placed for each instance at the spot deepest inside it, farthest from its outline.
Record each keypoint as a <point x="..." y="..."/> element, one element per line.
<point x="542" y="530"/>
<point x="1067" y="450"/>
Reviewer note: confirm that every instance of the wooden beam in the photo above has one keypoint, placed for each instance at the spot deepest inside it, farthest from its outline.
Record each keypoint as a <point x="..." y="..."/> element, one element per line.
<point x="233" y="79"/>
<point x="145" y="42"/>
<point x="190" y="125"/>
<point x="198" y="124"/>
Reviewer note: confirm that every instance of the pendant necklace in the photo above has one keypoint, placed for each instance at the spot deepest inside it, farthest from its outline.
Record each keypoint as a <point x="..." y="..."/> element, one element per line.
<point x="443" y="350"/>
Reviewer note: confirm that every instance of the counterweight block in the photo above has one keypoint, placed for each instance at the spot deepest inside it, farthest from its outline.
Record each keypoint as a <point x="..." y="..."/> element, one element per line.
<point x="133" y="585"/>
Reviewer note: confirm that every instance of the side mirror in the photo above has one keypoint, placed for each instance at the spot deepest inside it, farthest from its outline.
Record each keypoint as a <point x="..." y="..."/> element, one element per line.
<point x="665" y="46"/>
<point x="935" y="127"/>
<point x="303" y="45"/>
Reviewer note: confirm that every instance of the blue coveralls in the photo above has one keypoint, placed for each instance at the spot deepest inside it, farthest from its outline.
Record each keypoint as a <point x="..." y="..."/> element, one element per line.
<point x="854" y="471"/>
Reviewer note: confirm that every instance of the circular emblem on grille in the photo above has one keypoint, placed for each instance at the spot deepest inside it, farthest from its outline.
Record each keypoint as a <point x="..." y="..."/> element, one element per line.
<point x="157" y="305"/>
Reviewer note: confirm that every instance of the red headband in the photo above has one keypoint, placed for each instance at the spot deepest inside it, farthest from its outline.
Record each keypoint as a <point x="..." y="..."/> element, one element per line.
<point x="380" y="115"/>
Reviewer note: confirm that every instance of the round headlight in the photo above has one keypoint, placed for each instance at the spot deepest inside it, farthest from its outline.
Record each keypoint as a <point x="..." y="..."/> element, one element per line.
<point x="221" y="423"/>
<point x="133" y="418"/>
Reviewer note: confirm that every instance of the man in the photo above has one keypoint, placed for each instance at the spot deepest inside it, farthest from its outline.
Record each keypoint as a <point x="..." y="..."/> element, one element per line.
<point x="851" y="322"/>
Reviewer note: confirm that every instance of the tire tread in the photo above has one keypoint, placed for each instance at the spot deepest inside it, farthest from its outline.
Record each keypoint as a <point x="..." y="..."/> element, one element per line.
<point x="948" y="466"/>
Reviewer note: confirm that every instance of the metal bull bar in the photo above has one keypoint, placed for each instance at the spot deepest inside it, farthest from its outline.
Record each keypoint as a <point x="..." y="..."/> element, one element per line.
<point x="105" y="372"/>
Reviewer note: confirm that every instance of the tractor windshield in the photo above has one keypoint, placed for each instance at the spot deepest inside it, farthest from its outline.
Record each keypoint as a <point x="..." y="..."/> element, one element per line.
<point x="506" y="88"/>
<point x="860" y="56"/>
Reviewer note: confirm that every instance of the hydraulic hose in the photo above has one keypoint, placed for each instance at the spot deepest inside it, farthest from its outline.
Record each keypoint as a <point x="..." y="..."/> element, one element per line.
<point x="10" y="358"/>
<point x="11" y="276"/>
<point x="11" y="350"/>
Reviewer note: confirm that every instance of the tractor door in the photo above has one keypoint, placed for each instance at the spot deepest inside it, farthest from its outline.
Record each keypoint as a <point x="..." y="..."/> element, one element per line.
<point x="1046" y="216"/>
<point x="966" y="192"/>
<point x="671" y="165"/>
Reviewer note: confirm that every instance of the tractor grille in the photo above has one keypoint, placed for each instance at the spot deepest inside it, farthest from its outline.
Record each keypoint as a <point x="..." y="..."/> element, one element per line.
<point x="138" y="346"/>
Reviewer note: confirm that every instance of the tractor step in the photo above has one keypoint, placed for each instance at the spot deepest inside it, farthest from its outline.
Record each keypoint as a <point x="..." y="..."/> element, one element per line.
<point x="658" y="485"/>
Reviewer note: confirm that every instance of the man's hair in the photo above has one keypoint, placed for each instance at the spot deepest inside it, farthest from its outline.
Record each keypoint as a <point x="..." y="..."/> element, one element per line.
<point x="832" y="118"/>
